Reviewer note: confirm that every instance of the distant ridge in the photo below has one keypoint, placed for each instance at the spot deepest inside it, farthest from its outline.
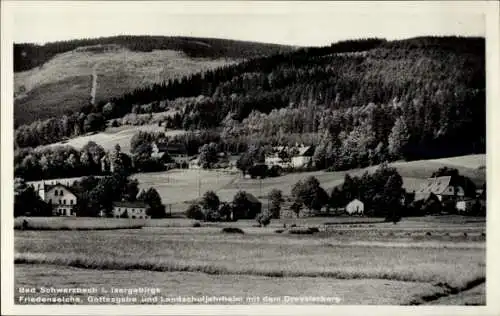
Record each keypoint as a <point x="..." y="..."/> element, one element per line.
<point x="28" y="55"/>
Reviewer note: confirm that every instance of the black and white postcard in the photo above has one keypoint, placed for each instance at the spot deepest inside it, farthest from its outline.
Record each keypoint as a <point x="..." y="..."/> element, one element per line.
<point x="243" y="157"/>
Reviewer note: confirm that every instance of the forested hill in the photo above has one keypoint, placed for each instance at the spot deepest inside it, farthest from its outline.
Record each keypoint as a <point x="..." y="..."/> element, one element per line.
<point x="359" y="101"/>
<point x="28" y="56"/>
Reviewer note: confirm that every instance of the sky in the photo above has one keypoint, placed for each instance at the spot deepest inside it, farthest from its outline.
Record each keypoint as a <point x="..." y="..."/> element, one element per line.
<point x="293" y="23"/>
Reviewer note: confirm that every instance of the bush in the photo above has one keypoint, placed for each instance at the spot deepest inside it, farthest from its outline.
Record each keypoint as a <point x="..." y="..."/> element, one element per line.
<point x="196" y="224"/>
<point x="279" y="231"/>
<point x="303" y="231"/>
<point x="314" y="229"/>
<point x="264" y="219"/>
<point x="274" y="171"/>
<point x="194" y="212"/>
<point x="212" y="216"/>
<point x="232" y="230"/>
<point x="428" y="234"/>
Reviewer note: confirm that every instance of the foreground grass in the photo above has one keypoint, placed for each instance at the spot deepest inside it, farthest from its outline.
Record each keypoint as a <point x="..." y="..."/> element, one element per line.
<point x="255" y="255"/>
<point x="76" y="223"/>
<point x="354" y="291"/>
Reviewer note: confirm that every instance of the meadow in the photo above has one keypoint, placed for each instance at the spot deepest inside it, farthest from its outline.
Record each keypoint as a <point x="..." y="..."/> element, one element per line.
<point x="112" y="136"/>
<point x="375" y="264"/>
<point x="179" y="187"/>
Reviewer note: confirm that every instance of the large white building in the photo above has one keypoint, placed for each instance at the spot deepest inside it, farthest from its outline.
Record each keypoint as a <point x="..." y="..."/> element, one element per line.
<point x="57" y="194"/>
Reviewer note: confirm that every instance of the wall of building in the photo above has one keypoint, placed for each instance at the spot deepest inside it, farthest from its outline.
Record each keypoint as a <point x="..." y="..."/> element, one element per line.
<point x="62" y="201"/>
<point x="132" y="212"/>
<point x="300" y="161"/>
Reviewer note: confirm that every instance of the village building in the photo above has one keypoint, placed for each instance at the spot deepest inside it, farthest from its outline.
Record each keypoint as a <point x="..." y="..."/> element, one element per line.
<point x="299" y="156"/>
<point x="465" y="206"/>
<point x="57" y="194"/>
<point x="355" y="207"/>
<point x="194" y="163"/>
<point x="441" y="187"/>
<point x="304" y="157"/>
<point x="279" y="157"/>
<point x="170" y="152"/>
<point x="61" y="198"/>
<point x="254" y="206"/>
<point x="130" y="210"/>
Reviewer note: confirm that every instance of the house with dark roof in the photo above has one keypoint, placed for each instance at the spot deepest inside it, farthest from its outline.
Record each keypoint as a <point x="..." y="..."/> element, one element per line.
<point x="254" y="207"/>
<point x="177" y="152"/>
<point x="441" y="187"/>
<point x="125" y="209"/>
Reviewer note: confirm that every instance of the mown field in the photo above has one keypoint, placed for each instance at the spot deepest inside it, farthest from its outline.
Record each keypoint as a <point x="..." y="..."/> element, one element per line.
<point x="377" y="263"/>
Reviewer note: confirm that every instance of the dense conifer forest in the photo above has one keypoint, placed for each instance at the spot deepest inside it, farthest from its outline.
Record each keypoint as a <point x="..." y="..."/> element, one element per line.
<point x="359" y="102"/>
<point x="28" y="56"/>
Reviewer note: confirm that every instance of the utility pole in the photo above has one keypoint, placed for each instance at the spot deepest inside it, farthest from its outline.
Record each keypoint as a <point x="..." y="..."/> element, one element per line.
<point x="199" y="184"/>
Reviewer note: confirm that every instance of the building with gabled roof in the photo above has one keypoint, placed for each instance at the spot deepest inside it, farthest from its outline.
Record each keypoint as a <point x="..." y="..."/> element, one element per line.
<point x="125" y="209"/>
<point x="441" y="187"/>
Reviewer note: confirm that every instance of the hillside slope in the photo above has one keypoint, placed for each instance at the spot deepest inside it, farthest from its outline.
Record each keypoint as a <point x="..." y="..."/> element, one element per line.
<point x="58" y="78"/>
<point x="64" y="84"/>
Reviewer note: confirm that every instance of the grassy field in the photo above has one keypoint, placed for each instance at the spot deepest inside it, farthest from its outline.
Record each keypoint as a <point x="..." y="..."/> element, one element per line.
<point x="358" y="267"/>
<point x="116" y="135"/>
<point x="179" y="186"/>
<point x="64" y="83"/>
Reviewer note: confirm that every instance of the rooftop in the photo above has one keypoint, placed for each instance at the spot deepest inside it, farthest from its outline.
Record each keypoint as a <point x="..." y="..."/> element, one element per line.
<point x="135" y="204"/>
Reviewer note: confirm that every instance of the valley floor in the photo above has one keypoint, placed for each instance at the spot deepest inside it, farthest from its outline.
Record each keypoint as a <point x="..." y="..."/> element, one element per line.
<point x="371" y="263"/>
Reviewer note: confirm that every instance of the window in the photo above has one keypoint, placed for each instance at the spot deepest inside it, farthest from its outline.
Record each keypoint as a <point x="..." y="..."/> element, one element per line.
<point x="59" y="201"/>
<point x="50" y="201"/>
<point x="64" y="201"/>
<point x="56" y="193"/>
<point x="71" y="201"/>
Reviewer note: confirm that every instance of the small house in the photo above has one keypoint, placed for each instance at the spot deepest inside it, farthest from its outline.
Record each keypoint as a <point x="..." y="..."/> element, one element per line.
<point x="304" y="157"/>
<point x="125" y="209"/>
<point x="355" y="207"/>
<point x="254" y="206"/>
<point x="465" y="205"/>
<point x="194" y="163"/>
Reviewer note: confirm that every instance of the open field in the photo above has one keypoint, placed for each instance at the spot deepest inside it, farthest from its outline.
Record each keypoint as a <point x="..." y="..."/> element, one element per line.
<point x="116" y="135"/>
<point x="367" y="267"/>
<point x="178" y="186"/>
<point x="64" y="83"/>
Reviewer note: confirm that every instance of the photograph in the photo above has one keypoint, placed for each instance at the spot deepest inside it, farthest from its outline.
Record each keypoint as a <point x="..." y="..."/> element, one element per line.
<point x="246" y="154"/>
